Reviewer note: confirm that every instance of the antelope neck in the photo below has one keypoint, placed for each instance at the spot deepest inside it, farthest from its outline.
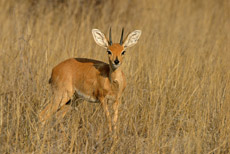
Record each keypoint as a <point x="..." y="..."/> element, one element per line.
<point x="114" y="73"/>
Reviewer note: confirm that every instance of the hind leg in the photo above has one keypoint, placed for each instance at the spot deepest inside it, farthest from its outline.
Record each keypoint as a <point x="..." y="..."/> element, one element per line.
<point x="60" y="99"/>
<point x="63" y="110"/>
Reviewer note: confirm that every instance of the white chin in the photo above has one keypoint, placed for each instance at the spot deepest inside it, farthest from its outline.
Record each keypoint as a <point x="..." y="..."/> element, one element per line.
<point x="116" y="66"/>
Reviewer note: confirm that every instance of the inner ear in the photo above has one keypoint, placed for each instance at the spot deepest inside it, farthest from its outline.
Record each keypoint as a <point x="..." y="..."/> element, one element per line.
<point x="100" y="38"/>
<point x="132" y="38"/>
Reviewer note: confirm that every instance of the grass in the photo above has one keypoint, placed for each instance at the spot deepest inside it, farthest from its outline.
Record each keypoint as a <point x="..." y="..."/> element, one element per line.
<point x="177" y="98"/>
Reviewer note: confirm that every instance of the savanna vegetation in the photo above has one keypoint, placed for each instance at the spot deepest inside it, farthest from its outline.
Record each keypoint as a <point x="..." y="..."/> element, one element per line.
<point x="177" y="98"/>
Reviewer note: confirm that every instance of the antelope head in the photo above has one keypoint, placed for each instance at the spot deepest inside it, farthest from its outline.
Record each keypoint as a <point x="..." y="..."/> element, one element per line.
<point x="116" y="51"/>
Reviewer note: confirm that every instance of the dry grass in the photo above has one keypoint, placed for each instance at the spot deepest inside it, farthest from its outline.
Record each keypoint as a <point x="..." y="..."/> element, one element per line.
<point x="177" y="99"/>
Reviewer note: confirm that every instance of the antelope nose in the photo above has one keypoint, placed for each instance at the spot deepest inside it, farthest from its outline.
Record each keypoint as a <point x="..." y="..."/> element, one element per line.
<point x="116" y="61"/>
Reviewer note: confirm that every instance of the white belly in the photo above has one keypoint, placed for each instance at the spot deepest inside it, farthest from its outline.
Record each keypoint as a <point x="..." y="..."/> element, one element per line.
<point x="86" y="97"/>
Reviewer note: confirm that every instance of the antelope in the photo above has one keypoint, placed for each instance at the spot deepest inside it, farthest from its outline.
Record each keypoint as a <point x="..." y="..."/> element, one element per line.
<point x="91" y="80"/>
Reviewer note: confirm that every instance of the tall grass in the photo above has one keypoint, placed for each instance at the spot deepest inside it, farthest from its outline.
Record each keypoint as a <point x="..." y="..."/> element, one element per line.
<point x="177" y="99"/>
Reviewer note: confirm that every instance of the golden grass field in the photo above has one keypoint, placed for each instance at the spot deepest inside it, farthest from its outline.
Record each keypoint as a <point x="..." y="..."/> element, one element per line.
<point x="177" y="98"/>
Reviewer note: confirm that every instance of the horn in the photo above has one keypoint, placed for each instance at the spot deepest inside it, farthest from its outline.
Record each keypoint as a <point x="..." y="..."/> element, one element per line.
<point x="110" y="37"/>
<point x="121" y="41"/>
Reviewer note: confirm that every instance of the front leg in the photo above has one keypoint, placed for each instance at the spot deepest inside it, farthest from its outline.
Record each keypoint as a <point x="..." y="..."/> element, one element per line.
<point x="106" y="110"/>
<point x="115" y="117"/>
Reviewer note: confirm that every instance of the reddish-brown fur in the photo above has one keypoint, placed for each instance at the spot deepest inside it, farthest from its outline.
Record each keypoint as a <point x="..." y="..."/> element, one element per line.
<point x="92" y="80"/>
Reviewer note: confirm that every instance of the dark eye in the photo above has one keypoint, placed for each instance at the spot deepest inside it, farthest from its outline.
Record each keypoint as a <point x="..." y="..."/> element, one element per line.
<point x="123" y="53"/>
<point x="109" y="52"/>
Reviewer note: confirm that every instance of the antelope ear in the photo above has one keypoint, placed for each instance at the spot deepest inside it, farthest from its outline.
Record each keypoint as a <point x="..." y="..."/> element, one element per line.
<point x="100" y="38"/>
<point x="132" y="39"/>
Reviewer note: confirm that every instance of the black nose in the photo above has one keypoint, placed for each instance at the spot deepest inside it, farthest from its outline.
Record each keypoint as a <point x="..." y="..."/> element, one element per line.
<point x="116" y="61"/>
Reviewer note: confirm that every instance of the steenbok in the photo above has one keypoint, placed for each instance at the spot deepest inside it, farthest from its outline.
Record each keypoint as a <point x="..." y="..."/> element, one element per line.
<point x="91" y="80"/>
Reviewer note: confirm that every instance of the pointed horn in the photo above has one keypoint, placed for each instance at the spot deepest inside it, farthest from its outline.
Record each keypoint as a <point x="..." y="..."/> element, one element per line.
<point x="121" y="41"/>
<point x="110" y="37"/>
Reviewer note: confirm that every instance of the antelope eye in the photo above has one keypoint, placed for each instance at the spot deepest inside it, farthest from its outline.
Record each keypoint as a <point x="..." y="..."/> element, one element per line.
<point x="123" y="53"/>
<point x="109" y="52"/>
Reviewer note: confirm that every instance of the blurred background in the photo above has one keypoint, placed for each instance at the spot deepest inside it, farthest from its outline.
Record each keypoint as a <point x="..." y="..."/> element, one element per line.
<point x="177" y="99"/>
